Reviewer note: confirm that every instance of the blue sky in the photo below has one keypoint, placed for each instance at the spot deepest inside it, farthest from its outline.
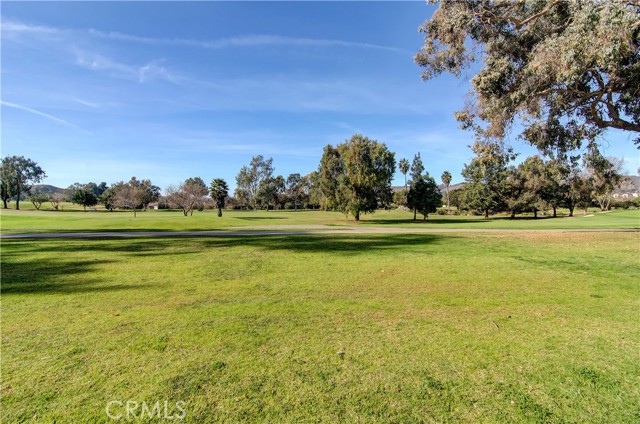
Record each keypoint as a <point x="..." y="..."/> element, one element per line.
<point x="102" y="91"/>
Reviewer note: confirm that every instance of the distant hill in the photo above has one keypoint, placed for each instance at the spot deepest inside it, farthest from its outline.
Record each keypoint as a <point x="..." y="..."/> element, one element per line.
<point x="452" y="187"/>
<point x="629" y="186"/>
<point x="49" y="189"/>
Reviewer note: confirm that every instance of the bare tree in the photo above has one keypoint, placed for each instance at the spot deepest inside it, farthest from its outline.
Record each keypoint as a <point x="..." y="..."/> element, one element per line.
<point x="604" y="176"/>
<point x="128" y="196"/>
<point x="56" y="199"/>
<point x="189" y="195"/>
<point x="37" y="198"/>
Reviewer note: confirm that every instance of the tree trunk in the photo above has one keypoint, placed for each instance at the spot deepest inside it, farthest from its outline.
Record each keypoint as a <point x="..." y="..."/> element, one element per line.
<point x="414" y="214"/>
<point x="357" y="216"/>
<point x="586" y="210"/>
<point x="486" y="214"/>
<point x="219" y="212"/>
<point x="5" y="203"/>
<point x="424" y="217"/>
<point x="570" y="210"/>
<point x="555" y="211"/>
<point x="448" y="203"/>
<point x="18" y="201"/>
<point x="134" y="212"/>
<point x="535" y="214"/>
<point x="513" y="214"/>
<point x="84" y="207"/>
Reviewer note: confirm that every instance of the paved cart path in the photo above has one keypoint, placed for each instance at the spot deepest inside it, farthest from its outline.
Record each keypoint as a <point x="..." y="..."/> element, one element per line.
<point x="280" y="230"/>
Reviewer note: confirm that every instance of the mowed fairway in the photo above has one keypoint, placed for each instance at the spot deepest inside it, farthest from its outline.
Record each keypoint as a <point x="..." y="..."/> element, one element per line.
<point x="69" y="220"/>
<point x="517" y="327"/>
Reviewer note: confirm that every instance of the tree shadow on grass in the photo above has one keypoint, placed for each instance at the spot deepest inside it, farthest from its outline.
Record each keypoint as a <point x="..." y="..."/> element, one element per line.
<point x="432" y="221"/>
<point x="529" y="218"/>
<point x="56" y="276"/>
<point x="436" y="220"/>
<point x="49" y="267"/>
<point x="189" y="245"/>
<point x="329" y="243"/>
<point x="257" y="218"/>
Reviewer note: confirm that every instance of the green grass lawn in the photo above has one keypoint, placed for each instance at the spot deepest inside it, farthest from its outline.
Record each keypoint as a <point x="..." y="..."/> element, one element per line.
<point x="479" y="328"/>
<point x="76" y="220"/>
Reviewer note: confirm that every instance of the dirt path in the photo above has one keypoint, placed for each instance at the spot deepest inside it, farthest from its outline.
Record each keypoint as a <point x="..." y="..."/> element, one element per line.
<point x="279" y="230"/>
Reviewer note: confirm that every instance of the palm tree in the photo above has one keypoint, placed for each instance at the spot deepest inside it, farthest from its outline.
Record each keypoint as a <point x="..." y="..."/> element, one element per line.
<point x="446" y="180"/>
<point x="403" y="166"/>
<point x="219" y="191"/>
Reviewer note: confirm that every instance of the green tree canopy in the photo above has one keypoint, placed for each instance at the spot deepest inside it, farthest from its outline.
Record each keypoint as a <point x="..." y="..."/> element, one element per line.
<point x="486" y="176"/>
<point x="534" y="175"/>
<point x="404" y="166"/>
<point x="417" y="168"/>
<point x="424" y="196"/>
<point x="446" y="180"/>
<point x="561" y="65"/>
<point x="219" y="191"/>
<point x="107" y="197"/>
<point x="295" y="189"/>
<point x="17" y="174"/>
<point x="356" y="175"/>
<point x="249" y="179"/>
<point x="84" y="196"/>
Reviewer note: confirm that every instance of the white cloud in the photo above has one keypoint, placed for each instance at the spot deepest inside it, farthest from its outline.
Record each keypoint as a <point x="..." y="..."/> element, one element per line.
<point x="86" y="103"/>
<point x="19" y="27"/>
<point x="144" y="73"/>
<point x="246" y="40"/>
<point x="249" y="40"/>
<point x="39" y="113"/>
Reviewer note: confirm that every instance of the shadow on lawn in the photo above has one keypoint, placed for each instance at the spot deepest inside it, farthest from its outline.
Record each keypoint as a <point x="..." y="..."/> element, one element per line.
<point x="436" y="220"/>
<point x="432" y="221"/>
<point x="72" y="266"/>
<point x="55" y="276"/>
<point x="258" y="218"/>
<point x="171" y="246"/>
<point x="327" y="244"/>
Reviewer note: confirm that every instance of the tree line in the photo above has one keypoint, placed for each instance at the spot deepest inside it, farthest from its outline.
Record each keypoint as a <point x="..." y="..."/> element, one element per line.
<point x="354" y="177"/>
<point x="18" y="175"/>
<point x="539" y="183"/>
<point x="258" y="187"/>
